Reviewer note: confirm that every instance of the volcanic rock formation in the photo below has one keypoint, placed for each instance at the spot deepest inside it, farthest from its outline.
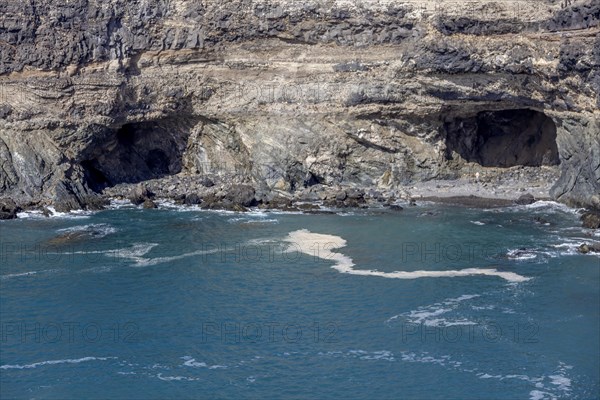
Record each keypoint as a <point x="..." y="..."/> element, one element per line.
<point x="283" y="95"/>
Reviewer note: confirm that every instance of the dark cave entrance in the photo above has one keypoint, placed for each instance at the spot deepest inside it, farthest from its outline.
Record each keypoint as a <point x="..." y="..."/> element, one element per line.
<point x="136" y="152"/>
<point x="504" y="138"/>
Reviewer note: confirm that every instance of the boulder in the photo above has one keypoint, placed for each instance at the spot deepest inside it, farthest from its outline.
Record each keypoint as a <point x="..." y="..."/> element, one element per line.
<point x="149" y="204"/>
<point x="341" y="195"/>
<point x="192" y="199"/>
<point x="591" y="219"/>
<point x="279" y="202"/>
<point x="207" y="182"/>
<point x="396" y="207"/>
<point x="356" y="194"/>
<point x="242" y="195"/>
<point x="139" y="194"/>
<point x="525" y="199"/>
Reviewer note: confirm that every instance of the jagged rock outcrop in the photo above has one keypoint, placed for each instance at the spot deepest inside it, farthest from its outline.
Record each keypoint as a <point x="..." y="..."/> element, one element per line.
<point x="283" y="95"/>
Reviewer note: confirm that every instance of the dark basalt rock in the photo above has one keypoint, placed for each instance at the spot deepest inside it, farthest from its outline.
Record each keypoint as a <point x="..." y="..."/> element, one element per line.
<point x="207" y="182"/>
<point x="192" y="199"/>
<point x="591" y="220"/>
<point x="95" y="202"/>
<point x="356" y="194"/>
<point x="242" y="195"/>
<point x="396" y="207"/>
<point x="8" y="209"/>
<point x="525" y="199"/>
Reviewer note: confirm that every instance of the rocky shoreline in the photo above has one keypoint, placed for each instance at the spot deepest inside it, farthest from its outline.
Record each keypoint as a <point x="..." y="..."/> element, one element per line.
<point x="516" y="186"/>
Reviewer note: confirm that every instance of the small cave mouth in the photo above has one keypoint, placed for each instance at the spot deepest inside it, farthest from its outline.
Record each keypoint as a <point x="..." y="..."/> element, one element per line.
<point x="507" y="138"/>
<point x="136" y="152"/>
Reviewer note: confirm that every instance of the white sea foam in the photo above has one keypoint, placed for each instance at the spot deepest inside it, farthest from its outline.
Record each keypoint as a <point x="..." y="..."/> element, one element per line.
<point x="175" y="378"/>
<point x="97" y="270"/>
<point x="137" y="251"/>
<point x="54" y="362"/>
<point x="75" y="214"/>
<point x="95" y="230"/>
<point x="385" y="355"/>
<point x="145" y="262"/>
<point x="551" y="206"/>
<point x="562" y="382"/>
<point x="558" y="381"/>
<point x="377" y="355"/>
<point x="244" y="220"/>
<point x="29" y="273"/>
<point x="571" y="247"/>
<point x="36" y="214"/>
<point x="539" y="395"/>
<point x="520" y="254"/>
<point x="305" y="241"/>
<point x="477" y="223"/>
<point x="191" y="362"/>
<point x="116" y="204"/>
<point x="171" y="205"/>
<point x="430" y="315"/>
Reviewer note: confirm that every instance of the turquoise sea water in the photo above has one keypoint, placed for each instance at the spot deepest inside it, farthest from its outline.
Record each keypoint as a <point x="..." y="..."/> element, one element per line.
<point x="182" y="303"/>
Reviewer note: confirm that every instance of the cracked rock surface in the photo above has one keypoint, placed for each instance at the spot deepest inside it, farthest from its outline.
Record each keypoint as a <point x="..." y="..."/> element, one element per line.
<point x="295" y="100"/>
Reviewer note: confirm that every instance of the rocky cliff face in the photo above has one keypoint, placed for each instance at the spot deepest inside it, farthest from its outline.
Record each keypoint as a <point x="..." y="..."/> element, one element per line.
<point x="285" y="95"/>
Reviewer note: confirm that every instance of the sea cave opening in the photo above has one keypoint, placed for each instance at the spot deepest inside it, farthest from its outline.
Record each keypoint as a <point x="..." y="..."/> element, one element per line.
<point x="136" y="152"/>
<point x="506" y="138"/>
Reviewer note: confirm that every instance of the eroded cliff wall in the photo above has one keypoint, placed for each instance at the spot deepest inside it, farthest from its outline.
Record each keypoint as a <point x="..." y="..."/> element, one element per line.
<point x="287" y="94"/>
